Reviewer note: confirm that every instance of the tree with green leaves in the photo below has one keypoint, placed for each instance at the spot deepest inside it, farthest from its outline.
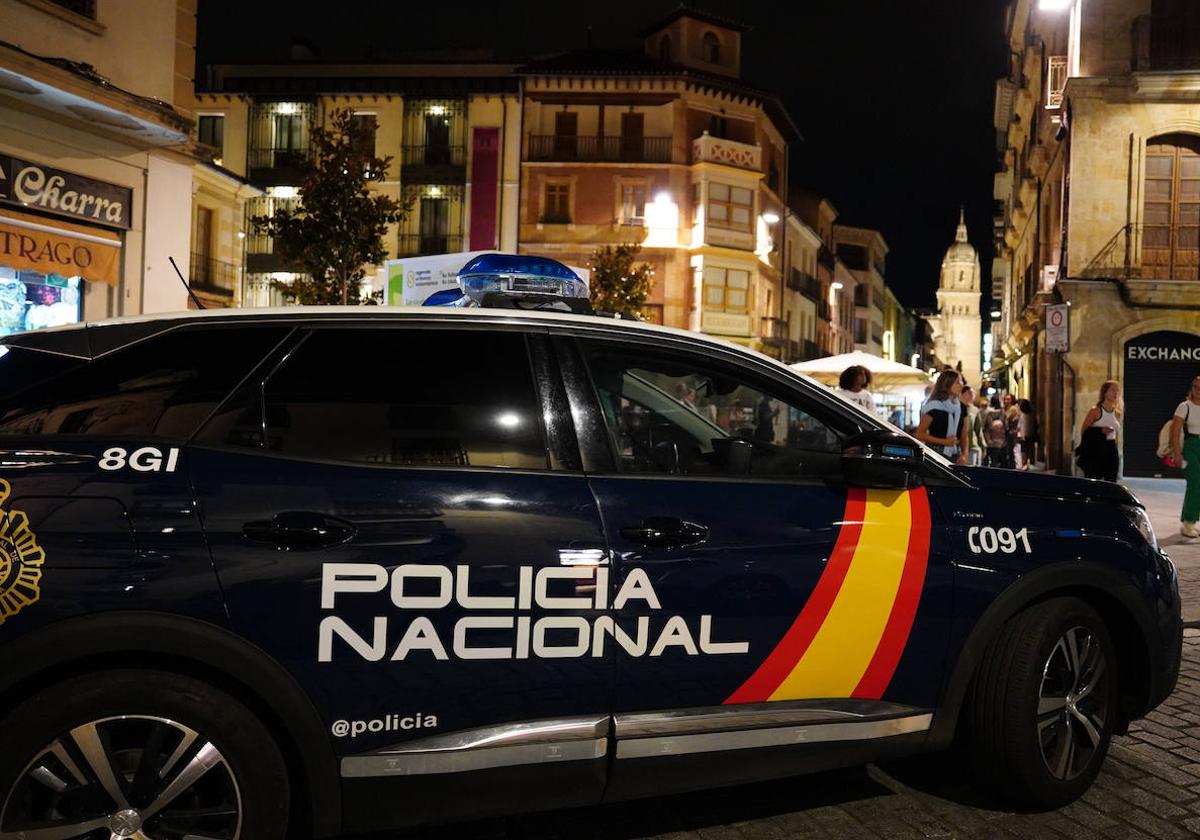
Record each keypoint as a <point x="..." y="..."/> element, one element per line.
<point x="338" y="228"/>
<point x="617" y="285"/>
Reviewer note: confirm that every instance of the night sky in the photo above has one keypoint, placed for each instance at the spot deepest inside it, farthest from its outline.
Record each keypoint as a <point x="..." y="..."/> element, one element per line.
<point x="894" y="97"/>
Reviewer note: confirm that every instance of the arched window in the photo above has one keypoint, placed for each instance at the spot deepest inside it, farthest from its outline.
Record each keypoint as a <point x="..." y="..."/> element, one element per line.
<point x="1171" y="218"/>
<point x="664" y="48"/>
<point x="710" y="48"/>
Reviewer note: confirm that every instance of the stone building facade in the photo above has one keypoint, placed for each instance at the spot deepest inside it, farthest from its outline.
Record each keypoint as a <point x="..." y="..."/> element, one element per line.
<point x="957" y="328"/>
<point x="1098" y="207"/>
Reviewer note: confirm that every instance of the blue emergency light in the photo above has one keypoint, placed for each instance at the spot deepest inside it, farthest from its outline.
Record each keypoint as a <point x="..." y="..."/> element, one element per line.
<point x="519" y="274"/>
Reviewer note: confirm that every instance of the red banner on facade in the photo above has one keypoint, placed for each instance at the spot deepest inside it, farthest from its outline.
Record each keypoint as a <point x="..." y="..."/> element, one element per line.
<point x="485" y="174"/>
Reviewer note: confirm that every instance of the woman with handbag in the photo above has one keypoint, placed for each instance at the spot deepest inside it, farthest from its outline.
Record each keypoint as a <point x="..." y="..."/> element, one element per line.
<point x="1102" y="460"/>
<point x="1185" y="445"/>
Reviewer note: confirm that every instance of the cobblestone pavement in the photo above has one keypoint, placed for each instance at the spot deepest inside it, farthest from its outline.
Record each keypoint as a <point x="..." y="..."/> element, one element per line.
<point x="1149" y="788"/>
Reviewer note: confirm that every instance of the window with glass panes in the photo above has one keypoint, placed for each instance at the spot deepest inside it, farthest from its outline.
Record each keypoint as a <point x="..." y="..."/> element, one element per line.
<point x="557" y="202"/>
<point x="729" y="206"/>
<point x="726" y="289"/>
<point x="633" y="203"/>
<point x="1171" y="234"/>
<point x="210" y="130"/>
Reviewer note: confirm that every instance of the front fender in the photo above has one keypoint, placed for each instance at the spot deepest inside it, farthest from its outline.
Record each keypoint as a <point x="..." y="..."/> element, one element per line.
<point x="1106" y="588"/>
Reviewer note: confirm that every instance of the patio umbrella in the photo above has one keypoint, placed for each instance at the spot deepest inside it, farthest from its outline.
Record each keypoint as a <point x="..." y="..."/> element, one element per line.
<point x="886" y="375"/>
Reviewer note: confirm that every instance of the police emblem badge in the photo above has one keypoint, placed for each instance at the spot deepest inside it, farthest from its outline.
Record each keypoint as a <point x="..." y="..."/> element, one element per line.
<point x="20" y="560"/>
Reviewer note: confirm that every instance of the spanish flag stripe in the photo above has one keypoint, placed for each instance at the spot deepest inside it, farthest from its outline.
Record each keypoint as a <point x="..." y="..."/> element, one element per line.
<point x="763" y="683"/>
<point x="839" y="654"/>
<point x="895" y="636"/>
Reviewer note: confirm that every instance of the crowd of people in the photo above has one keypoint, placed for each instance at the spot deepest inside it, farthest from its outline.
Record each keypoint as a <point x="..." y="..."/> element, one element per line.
<point x="966" y="427"/>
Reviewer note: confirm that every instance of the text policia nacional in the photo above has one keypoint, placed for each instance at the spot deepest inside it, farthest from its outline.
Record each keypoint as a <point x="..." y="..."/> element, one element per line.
<point x="416" y="590"/>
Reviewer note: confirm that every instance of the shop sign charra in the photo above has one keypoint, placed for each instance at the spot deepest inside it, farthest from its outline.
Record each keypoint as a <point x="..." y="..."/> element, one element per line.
<point x="55" y="191"/>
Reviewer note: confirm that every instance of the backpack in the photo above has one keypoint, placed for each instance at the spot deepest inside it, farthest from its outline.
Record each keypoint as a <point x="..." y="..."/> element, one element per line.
<point x="1164" y="434"/>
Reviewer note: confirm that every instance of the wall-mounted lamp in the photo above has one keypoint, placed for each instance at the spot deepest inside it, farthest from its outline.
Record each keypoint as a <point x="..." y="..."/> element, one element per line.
<point x="771" y="217"/>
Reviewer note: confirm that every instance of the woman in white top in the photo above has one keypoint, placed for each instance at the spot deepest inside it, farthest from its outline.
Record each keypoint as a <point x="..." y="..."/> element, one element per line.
<point x="852" y="385"/>
<point x="1104" y="462"/>
<point x="1185" y="445"/>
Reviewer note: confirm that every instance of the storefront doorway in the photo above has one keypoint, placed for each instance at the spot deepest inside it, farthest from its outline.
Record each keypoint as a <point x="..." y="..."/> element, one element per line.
<point x="1159" y="367"/>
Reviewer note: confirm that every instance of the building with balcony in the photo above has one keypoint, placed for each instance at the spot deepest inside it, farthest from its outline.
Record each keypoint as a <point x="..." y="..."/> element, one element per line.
<point x="835" y="310"/>
<point x="864" y="253"/>
<point x="451" y="129"/>
<point x="1098" y="206"/>
<point x="804" y="296"/>
<point x="666" y="147"/>
<point x="97" y="168"/>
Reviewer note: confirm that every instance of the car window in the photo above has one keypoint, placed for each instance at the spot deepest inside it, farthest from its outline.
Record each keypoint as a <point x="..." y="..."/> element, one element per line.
<point x="405" y="397"/>
<point x="161" y="387"/>
<point x="677" y="414"/>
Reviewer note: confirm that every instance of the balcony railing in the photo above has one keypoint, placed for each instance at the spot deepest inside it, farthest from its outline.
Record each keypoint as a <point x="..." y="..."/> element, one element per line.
<point x="209" y="275"/>
<point x="827" y="258"/>
<point x="1056" y="80"/>
<point x="277" y="158"/>
<point x="435" y="155"/>
<point x="578" y="148"/>
<point x="709" y="149"/>
<point x="804" y="283"/>
<point x="774" y="331"/>
<point x="425" y="244"/>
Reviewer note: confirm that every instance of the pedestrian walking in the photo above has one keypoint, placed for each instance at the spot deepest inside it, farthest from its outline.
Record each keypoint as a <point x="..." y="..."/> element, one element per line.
<point x="1099" y="457"/>
<point x="971" y="418"/>
<point x="942" y="424"/>
<point x="852" y="385"/>
<point x="1011" y="414"/>
<point x="995" y="435"/>
<point x="1185" y="445"/>
<point x="1027" y="435"/>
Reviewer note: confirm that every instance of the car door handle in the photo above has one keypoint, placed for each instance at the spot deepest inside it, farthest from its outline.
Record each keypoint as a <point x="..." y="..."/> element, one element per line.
<point x="297" y="530"/>
<point x="666" y="531"/>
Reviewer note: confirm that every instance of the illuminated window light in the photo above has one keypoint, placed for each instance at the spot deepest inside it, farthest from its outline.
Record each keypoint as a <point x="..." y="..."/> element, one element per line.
<point x="282" y="192"/>
<point x="287" y="108"/>
<point x="437" y="110"/>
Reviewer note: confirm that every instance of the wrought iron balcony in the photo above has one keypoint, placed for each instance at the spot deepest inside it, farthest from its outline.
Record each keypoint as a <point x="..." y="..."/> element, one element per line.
<point x="774" y="331"/>
<point x="213" y="276"/>
<point x="434" y="164"/>
<point x="804" y="283"/>
<point x="426" y="244"/>
<point x="277" y="166"/>
<point x="578" y="148"/>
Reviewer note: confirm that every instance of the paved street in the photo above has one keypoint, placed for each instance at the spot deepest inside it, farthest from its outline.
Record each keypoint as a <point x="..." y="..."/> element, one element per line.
<point x="1150" y="787"/>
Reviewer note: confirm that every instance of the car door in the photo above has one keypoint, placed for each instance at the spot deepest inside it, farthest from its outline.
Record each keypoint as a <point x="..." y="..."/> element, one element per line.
<point x="760" y="599"/>
<point x="396" y="514"/>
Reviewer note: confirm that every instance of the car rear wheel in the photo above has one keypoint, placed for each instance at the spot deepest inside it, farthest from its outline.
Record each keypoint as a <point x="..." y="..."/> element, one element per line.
<point x="1042" y="704"/>
<point x="139" y="754"/>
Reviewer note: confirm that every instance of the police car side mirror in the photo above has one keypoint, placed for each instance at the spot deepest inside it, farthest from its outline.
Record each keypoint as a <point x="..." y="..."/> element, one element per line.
<point x="882" y="459"/>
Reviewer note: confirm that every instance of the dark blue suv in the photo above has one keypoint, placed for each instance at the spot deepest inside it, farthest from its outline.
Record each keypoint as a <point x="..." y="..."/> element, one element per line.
<point x="305" y="572"/>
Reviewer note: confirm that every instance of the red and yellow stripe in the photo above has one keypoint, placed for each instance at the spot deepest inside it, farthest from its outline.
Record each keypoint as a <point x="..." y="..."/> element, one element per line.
<point x="849" y="636"/>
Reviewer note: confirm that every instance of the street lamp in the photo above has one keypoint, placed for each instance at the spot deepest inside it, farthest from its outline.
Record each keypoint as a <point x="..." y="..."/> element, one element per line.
<point x="771" y="217"/>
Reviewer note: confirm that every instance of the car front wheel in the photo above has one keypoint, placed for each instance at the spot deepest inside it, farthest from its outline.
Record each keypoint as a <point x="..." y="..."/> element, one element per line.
<point x="1042" y="704"/>
<point x="139" y="754"/>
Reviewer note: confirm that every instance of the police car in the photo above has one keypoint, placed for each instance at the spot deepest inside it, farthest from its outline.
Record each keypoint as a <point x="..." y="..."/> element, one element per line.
<point x="336" y="570"/>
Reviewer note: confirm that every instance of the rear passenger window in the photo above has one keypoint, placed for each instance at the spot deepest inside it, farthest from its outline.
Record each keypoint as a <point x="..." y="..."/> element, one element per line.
<point x="404" y="397"/>
<point x="21" y="368"/>
<point x="161" y="387"/>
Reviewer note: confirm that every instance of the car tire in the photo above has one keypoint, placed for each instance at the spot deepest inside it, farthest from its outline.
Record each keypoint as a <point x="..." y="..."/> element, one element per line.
<point x="184" y="756"/>
<point x="1042" y="704"/>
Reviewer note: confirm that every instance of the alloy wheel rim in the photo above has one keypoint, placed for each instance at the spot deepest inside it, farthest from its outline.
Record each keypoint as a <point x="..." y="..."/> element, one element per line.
<point x="134" y="776"/>
<point x="1072" y="703"/>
